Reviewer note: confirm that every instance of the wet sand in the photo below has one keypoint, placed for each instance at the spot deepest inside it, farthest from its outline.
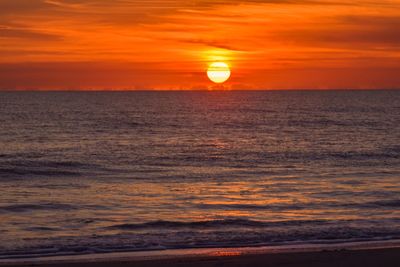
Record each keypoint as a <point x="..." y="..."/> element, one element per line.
<point x="386" y="257"/>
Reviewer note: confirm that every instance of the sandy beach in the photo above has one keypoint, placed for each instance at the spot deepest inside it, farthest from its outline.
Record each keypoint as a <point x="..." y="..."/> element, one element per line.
<point x="366" y="256"/>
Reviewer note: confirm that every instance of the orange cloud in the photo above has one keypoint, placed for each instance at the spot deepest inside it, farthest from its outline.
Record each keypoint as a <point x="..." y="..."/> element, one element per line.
<point x="130" y="44"/>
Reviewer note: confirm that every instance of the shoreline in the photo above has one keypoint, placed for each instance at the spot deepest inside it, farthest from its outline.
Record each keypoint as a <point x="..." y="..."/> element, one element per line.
<point x="197" y="256"/>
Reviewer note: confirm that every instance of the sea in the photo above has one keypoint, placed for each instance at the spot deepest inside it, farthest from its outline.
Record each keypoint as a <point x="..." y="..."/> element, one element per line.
<point x="98" y="172"/>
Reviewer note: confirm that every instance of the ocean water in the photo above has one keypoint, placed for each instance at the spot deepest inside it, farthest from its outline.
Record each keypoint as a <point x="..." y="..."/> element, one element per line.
<point x="122" y="171"/>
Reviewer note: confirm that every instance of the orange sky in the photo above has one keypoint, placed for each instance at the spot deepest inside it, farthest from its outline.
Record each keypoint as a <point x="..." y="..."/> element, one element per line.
<point x="167" y="44"/>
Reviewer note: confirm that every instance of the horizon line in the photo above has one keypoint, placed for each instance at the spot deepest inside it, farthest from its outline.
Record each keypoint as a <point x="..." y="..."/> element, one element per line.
<point x="192" y="90"/>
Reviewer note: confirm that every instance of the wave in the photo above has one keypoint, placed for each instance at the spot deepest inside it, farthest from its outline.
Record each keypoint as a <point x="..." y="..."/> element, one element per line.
<point x="33" y="207"/>
<point x="393" y="203"/>
<point x="159" y="235"/>
<point x="387" y="203"/>
<point x="16" y="168"/>
<point x="19" y="208"/>
<point x="5" y="172"/>
<point x="279" y="207"/>
<point x="212" y="224"/>
<point x="301" y="206"/>
<point x="240" y="163"/>
<point x="197" y="224"/>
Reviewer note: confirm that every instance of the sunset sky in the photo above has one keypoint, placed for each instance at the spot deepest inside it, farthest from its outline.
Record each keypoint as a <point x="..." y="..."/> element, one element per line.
<point x="168" y="44"/>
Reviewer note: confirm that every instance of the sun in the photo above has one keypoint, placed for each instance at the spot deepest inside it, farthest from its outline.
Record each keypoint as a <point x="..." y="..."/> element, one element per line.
<point x="218" y="72"/>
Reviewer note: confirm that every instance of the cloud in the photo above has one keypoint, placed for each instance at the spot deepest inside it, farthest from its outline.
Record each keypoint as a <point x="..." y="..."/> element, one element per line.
<point x="13" y="7"/>
<point x="7" y="32"/>
<point x="360" y="32"/>
<point x="163" y="39"/>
